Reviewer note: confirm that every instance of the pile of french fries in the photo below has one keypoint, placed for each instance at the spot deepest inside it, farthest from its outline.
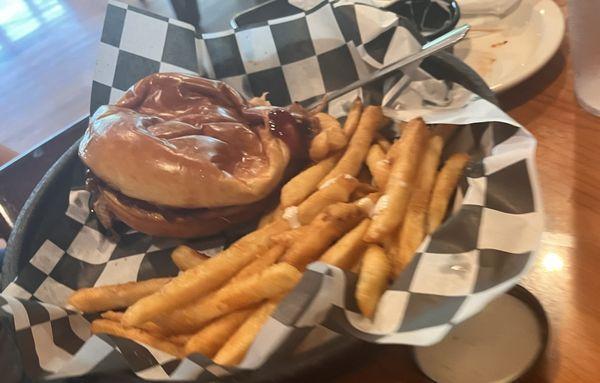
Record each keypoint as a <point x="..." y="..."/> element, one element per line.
<point x="364" y="205"/>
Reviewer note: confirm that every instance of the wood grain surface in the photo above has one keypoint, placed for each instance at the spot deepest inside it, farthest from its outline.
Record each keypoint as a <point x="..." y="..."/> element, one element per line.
<point x="565" y="277"/>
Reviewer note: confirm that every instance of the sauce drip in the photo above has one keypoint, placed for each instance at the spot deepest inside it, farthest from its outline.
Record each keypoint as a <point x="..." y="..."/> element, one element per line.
<point x="294" y="133"/>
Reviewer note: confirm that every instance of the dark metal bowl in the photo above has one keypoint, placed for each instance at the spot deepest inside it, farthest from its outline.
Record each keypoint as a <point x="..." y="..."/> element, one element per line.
<point x="49" y="198"/>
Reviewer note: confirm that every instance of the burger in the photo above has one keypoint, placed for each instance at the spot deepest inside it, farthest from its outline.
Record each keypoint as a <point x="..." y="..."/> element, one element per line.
<point x="184" y="156"/>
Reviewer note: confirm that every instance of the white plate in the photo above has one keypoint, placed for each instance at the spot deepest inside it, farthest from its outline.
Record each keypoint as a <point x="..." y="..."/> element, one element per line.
<point x="505" y="51"/>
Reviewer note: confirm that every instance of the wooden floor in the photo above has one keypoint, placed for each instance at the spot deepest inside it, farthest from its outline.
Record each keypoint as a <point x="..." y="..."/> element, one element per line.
<point x="47" y="58"/>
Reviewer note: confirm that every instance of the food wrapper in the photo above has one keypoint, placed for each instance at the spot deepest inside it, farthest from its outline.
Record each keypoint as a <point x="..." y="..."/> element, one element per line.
<point x="483" y="248"/>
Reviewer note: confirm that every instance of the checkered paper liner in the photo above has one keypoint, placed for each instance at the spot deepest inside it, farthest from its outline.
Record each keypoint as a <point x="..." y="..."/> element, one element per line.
<point x="482" y="250"/>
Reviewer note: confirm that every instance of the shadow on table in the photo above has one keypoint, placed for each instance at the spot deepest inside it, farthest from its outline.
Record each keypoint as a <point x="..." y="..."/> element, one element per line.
<point x="529" y="89"/>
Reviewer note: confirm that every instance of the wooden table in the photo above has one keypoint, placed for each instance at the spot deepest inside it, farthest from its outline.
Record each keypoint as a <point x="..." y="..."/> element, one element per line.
<point x="565" y="278"/>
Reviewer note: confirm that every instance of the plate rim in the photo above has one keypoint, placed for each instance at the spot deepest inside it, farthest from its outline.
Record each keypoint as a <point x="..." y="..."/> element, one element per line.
<point x="554" y="42"/>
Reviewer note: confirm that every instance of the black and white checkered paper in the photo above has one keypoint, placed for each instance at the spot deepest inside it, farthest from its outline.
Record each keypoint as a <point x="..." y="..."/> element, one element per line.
<point x="481" y="251"/>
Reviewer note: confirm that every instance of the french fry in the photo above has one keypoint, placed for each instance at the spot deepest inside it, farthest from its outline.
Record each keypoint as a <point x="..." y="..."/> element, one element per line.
<point x="112" y="315"/>
<point x="270" y="216"/>
<point x="180" y="340"/>
<point x="204" y="278"/>
<point x="375" y="154"/>
<point x="336" y="137"/>
<point x="353" y="117"/>
<point x="347" y="250"/>
<point x="213" y="336"/>
<point x="356" y="267"/>
<point x="327" y="227"/>
<point x="261" y="263"/>
<point x="383" y="168"/>
<point x="367" y="203"/>
<point x="362" y="190"/>
<point x="288" y="237"/>
<point x="414" y="228"/>
<point x="371" y="120"/>
<point x="330" y="139"/>
<point x="337" y="190"/>
<point x="184" y="257"/>
<point x="390" y="246"/>
<point x="372" y="280"/>
<point x="147" y="326"/>
<point x="305" y="183"/>
<point x="234" y="350"/>
<point x="394" y="150"/>
<point x="105" y="326"/>
<point x="272" y="282"/>
<point x="378" y="165"/>
<point x="445" y="185"/>
<point x="391" y="207"/>
<point x="383" y="142"/>
<point x="319" y="146"/>
<point x="110" y="297"/>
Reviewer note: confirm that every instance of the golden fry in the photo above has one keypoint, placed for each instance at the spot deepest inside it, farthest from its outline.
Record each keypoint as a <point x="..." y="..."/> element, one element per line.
<point x="362" y="190"/>
<point x="336" y="190"/>
<point x="327" y="227"/>
<point x="347" y="250"/>
<point x="367" y="203"/>
<point x="330" y="139"/>
<point x="270" y="216"/>
<point x="378" y="166"/>
<point x="336" y="137"/>
<point x="305" y="183"/>
<point x="383" y="142"/>
<point x="261" y="263"/>
<point x="272" y="282"/>
<point x="234" y="350"/>
<point x="180" y="340"/>
<point x="353" y="117"/>
<point x="372" y="280"/>
<point x="371" y="120"/>
<point x="413" y="228"/>
<point x="105" y="326"/>
<point x="394" y="150"/>
<point x="186" y="258"/>
<point x="213" y="336"/>
<point x="288" y="237"/>
<point x="383" y="168"/>
<point x="204" y="278"/>
<point x="375" y="154"/>
<point x="112" y="315"/>
<point x="390" y="246"/>
<point x="116" y="316"/>
<point x="392" y="205"/>
<point x="356" y="267"/>
<point x="319" y="146"/>
<point x="112" y="297"/>
<point x="444" y="187"/>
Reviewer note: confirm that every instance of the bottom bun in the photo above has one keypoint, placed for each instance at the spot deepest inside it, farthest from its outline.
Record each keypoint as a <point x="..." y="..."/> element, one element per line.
<point x="166" y="222"/>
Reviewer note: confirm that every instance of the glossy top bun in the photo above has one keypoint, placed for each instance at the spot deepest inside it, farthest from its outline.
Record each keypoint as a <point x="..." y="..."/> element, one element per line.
<point x="186" y="142"/>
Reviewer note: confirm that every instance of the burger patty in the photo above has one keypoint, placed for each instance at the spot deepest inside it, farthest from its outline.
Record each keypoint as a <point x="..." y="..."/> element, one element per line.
<point x="110" y="204"/>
